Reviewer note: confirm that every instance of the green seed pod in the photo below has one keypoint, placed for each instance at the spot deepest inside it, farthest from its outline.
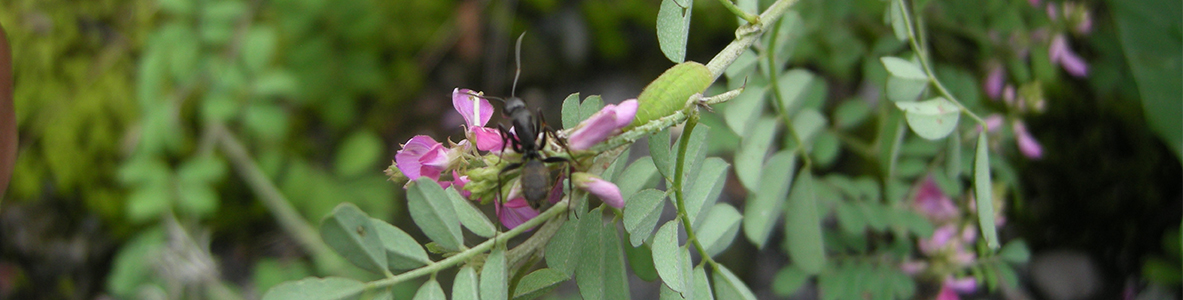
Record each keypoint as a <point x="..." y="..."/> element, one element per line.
<point x="668" y="93"/>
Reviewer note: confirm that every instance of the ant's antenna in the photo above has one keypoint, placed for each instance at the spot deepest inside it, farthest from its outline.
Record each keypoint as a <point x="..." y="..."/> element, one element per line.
<point x="518" y="59"/>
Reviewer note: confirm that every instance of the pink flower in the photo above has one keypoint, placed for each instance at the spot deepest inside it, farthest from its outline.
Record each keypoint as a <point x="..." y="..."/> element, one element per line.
<point x="605" y="123"/>
<point x="992" y="122"/>
<point x="458" y="182"/>
<point x="940" y="238"/>
<point x="514" y="212"/>
<point x="421" y="156"/>
<point x="476" y="112"/>
<point x="933" y="203"/>
<point x="1060" y="53"/>
<point x="606" y="191"/>
<point x="994" y="81"/>
<point x="1027" y="144"/>
<point x="947" y="293"/>
<point x="964" y="285"/>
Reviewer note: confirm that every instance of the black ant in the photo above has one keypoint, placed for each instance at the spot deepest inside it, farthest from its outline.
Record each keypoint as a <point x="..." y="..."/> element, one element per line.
<point x="535" y="176"/>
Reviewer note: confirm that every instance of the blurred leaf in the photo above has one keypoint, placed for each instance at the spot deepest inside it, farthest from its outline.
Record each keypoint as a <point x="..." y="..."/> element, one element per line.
<point x="982" y="191"/>
<point x="133" y="264"/>
<point x="702" y="287"/>
<point x="850" y="217"/>
<point x="1015" y="252"/>
<point x="668" y="256"/>
<point x="743" y="65"/>
<point x="719" y="229"/>
<point x="269" y="272"/>
<point x="470" y="216"/>
<point x="728" y="286"/>
<point x="705" y="191"/>
<point x="538" y="283"/>
<point x="825" y="149"/>
<point x="750" y="157"/>
<point x="640" y="174"/>
<point x="196" y="198"/>
<point x="932" y="119"/>
<point x="764" y="206"/>
<point x="673" y="28"/>
<point x="464" y="287"/>
<point x="267" y="121"/>
<point x="803" y="226"/>
<point x="218" y="107"/>
<point x="793" y="86"/>
<point x="329" y="288"/>
<point x="741" y="113"/>
<point x="494" y="285"/>
<point x="851" y="113"/>
<point x="916" y="224"/>
<point x="640" y="260"/>
<point x="896" y="18"/>
<point x="358" y="153"/>
<point x="258" y="48"/>
<point x="1149" y="33"/>
<point x="149" y="202"/>
<point x="641" y="212"/>
<point x="434" y="213"/>
<point x="788" y="281"/>
<point x="953" y="160"/>
<point x="402" y="251"/>
<point x="807" y="123"/>
<point x="276" y="83"/>
<point x="179" y="8"/>
<point x="430" y="290"/>
<point x="570" y="112"/>
<point x="590" y="106"/>
<point x="349" y="232"/>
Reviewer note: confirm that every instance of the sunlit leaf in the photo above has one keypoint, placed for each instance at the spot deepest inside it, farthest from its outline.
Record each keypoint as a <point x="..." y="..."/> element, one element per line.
<point x="931" y="119"/>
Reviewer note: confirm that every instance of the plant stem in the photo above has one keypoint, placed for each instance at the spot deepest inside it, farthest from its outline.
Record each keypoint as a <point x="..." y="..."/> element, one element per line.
<point x="752" y="19"/>
<point x="922" y="54"/>
<point x="679" y="196"/>
<point x="465" y="255"/>
<point x="745" y="36"/>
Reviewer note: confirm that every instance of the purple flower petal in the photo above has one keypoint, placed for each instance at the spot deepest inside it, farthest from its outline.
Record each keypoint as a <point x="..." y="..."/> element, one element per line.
<point x="515" y="212"/>
<point x="994" y="82"/>
<point x="940" y="238"/>
<point x="947" y="294"/>
<point x="486" y="138"/>
<point x="476" y="110"/>
<point x="421" y="156"/>
<point x="1060" y="53"/>
<point x="602" y="125"/>
<point x="626" y="112"/>
<point x="992" y="122"/>
<point x="1027" y="144"/>
<point x="965" y="285"/>
<point x="606" y="191"/>
<point x="931" y="202"/>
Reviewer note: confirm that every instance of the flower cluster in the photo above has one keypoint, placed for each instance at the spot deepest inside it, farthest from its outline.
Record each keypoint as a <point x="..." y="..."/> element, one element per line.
<point x="477" y="176"/>
<point x="949" y="250"/>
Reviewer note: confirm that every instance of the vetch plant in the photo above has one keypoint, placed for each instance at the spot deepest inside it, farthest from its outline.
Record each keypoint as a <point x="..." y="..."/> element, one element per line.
<point x="873" y="232"/>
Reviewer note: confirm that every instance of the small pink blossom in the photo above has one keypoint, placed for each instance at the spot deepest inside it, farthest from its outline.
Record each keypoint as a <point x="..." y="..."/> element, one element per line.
<point x="1027" y="144"/>
<point x="603" y="124"/>
<point x="458" y="182"/>
<point x="913" y="267"/>
<point x="992" y="122"/>
<point x="994" y="82"/>
<point x="476" y="112"/>
<point x="606" y="191"/>
<point x="421" y="156"/>
<point x="1060" y="53"/>
<point x="947" y="293"/>
<point x="939" y="240"/>
<point x="933" y="203"/>
<point x="964" y="285"/>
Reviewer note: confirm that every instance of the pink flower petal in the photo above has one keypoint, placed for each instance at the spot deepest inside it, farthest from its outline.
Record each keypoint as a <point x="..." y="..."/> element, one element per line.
<point x="476" y="110"/>
<point x="965" y="285"/>
<point x="602" y="125"/>
<point x="940" y="238"/>
<point x="515" y="212"/>
<point x="1060" y="53"/>
<point x="486" y="139"/>
<point x="931" y="202"/>
<point x="947" y="294"/>
<point x="606" y="191"/>
<point x="626" y="112"/>
<point x="1027" y="144"/>
<point x="421" y="156"/>
<point x="992" y="122"/>
<point x="994" y="82"/>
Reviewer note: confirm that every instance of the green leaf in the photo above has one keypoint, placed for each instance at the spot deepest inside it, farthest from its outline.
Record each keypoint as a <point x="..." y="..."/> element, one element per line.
<point x="434" y="213"/>
<point x="469" y="215"/>
<point x="794" y="86"/>
<point x="590" y="106"/>
<point x="1149" y="33"/>
<point x="916" y="224"/>
<point x="750" y="157"/>
<point x="348" y="231"/>
<point x="764" y="206"/>
<point x="329" y="288"/>
<point x="743" y="111"/>
<point x="258" y="48"/>
<point x="668" y="256"/>
<point x="494" y="285"/>
<point x="695" y="152"/>
<point x="708" y="185"/>
<point x="803" y="226"/>
<point x="982" y="191"/>
<point x="719" y="228"/>
<point x="564" y="248"/>
<point x="358" y="154"/>
<point x="570" y="112"/>
<point x="953" y="160"/>
<point x="807" y="123"/>
<point x="218" y="106"/>
<point x="402" y="251"/>
<point x="673" y="28"/>
<point x="276" y="83"/>
<point x="850" y="217"/>
<point x="600" y="274"/>
<point x="1015" y="252"/>
<point x="659" y="150"/>
<point x="932" y="119"/>
<point x="825" y="148"/>
<point x="538" y="283"/>
<point x="640" y="260"/>
<point x="148" y="202"/>
<point x="788" y="281"/>
<point x="851" y="112"/>
<point x="640" y="174"/>
<point x="898" y="24"/>
<point x="742" y="67"/>
<point x="465" y="285"/>
<point x="133" y="264"/>
<point x="728" y="286"/>
<point x="907" y="80"/>
<point x="267" y="121"/>
<point x="430" y="290"/>
<point x="196" y="198"/>
<point x="641" y="212"/>
<point x="177" y="7"/>
<point x="668" y="93"/>
<point x="702" y="287"/>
